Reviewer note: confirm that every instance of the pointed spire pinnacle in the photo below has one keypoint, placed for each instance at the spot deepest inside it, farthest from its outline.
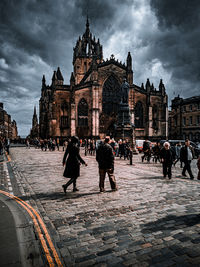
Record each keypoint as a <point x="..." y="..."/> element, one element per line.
<point x="129" y="61"/>
<point x="59" y="75"/>
<point x="43" y="82"/>
<point x="34" y="113"/>
<point x="54" y="77"/>
<point x="72" y="79"/>
<point x="87" y="23"/>
<point x="43" y="79"/>
<point x="148" y="83"/>
<point x="87" y="31"/>
<point x="142" y="86"/>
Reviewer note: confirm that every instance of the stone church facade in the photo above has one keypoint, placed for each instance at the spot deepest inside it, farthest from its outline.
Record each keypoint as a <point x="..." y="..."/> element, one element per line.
<point x="88" y="106"/>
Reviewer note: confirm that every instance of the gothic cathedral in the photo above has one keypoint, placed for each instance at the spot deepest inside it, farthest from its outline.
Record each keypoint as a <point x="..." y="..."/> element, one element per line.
<point x="88" y="106"/>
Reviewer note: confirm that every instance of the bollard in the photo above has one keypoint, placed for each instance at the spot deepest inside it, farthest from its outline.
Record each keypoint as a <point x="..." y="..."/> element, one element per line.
<point x="131" y="157"/>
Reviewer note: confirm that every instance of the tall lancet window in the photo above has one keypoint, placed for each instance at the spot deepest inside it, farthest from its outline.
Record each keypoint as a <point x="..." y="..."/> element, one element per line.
<point x="139" y="115"/>
<point x="82" y="113"/>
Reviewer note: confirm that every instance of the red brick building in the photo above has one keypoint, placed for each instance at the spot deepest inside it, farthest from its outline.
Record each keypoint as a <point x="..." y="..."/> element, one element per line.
<point x="88" y="106"/>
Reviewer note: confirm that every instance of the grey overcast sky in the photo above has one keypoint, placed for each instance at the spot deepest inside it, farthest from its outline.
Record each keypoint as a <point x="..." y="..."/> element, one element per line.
<point x="37" y="36"/>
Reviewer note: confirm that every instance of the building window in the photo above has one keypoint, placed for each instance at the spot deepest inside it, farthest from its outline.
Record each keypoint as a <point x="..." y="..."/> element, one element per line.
<point x="184" y="121"/>
<point x="184" y="108"/>
<point x="198" y="105"/>
<point x="139" y="120"/>
<point x="190" y="107"/>
<point x="190" y="120"/>
<point x="111" y="96"/>
<point x="64" y="122"/>
<point x="82" y="113"/>
<point x="155" y="117"/>
<point x="175" y="120"/>
<point x="198" y="120"/>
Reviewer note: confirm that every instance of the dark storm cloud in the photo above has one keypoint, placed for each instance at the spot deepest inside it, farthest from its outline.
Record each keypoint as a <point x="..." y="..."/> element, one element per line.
<point x="38" y="36"/>
<point x="178" y="45"/>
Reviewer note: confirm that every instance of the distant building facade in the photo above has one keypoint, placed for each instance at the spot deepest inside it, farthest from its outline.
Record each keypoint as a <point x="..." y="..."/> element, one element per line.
<point x="88" y="106"/>
<point x="34" y="133"/>
<point x="184" y="118"/>
<point x="8" y="128"/>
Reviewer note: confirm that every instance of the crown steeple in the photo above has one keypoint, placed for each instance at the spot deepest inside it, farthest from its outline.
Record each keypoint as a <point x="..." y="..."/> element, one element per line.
<point x="87" y="46"/>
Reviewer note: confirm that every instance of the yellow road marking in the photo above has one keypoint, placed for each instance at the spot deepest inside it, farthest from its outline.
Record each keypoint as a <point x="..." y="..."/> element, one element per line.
<point x="41" y="237"/>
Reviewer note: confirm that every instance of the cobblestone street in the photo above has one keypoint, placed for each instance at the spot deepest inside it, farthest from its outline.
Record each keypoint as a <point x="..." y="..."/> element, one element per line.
<point x="149" y="221"/>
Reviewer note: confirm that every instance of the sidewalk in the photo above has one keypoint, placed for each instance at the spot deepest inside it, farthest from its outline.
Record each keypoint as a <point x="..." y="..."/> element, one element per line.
<point x="9" y="248"/>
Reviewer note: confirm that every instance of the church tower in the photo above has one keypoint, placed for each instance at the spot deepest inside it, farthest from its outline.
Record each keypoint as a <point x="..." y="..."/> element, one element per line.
<point x="86" y="48"/>
<point x="34" y="120"/>
<point x="35" y="126"/>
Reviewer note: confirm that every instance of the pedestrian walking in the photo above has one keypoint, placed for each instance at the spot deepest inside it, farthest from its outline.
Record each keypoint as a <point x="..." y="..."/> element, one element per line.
<point x="105" y="159"/>
<point x="198" y="166"/>
<point x="186" y="156"/>
<point x="167" y="157"/>
<point x="178" y="154"/>
<point x="146" y="151"/>
<point x="156" y="152"/>
<point x="72" y="165"/>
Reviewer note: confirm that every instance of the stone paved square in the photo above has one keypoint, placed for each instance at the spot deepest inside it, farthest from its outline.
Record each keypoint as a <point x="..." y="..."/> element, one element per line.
<point x="149" y="221"/>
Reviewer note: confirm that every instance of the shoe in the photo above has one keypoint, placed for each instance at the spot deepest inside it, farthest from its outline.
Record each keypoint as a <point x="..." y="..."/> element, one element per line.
<point x="184" y="174"/>
<point x="164" y="176"/>
<point x="64" y="188"/>
<point x="75" y="189"/>
<point x="115" y="189"/>
<point x="102" y="191"/>
<point x="192" y="178"/>
<point x="170" y="177"/>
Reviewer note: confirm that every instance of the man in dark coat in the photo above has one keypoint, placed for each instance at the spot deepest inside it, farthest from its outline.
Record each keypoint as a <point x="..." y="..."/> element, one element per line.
<point x="167" y="157"/>
<point x="146" y="150"/>
<point x="72" y="165"/>
<point x="186" y="156"/>
<point x="105" y="159"/>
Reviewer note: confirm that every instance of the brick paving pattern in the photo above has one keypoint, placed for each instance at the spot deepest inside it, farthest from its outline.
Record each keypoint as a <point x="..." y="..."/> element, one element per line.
<point x="150" y="221"/>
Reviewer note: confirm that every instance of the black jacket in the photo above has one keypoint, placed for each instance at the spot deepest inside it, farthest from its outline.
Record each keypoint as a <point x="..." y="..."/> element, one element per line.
<point x="72" y="167"/>
<point x="105" y="157"/>
<point x="184" y="153"/>
<point x="167" y="155"/>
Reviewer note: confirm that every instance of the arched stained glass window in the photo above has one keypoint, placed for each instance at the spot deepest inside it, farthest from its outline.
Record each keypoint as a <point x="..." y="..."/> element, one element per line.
<point x="82" y="113"/>
<point x="111" y="95"/>
<point x="139" y="115"/>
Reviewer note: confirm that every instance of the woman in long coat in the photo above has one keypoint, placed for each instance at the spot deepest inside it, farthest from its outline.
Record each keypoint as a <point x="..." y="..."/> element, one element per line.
<point x="72" y="165"/>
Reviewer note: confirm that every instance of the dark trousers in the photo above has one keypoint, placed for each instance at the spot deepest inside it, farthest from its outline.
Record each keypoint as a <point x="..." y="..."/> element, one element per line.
<point x="102" y="175"/>
<point x="72" y="180"/>
<point x="167" y="169"/>
<point x="187" y="167"/>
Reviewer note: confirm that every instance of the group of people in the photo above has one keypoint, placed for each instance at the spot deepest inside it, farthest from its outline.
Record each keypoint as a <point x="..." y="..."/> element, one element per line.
<point x="4" y="145"/>
<point x="104" y="157"/>
<point x="47" y="144"/>
<point x="170" y="156"/>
